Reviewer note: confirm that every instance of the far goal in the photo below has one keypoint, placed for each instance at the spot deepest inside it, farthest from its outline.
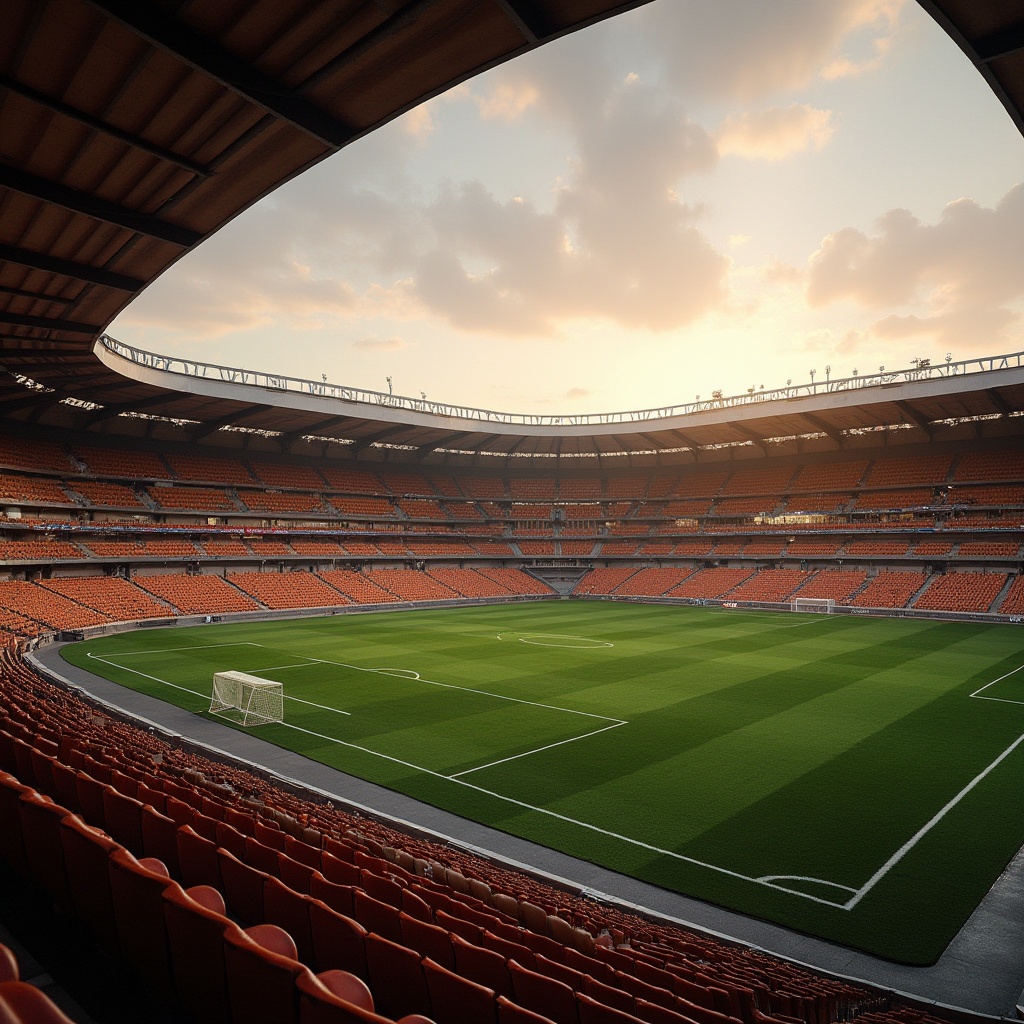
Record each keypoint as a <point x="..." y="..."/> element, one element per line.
<point x="821" y="605"/>
<point x="247" y="700"/>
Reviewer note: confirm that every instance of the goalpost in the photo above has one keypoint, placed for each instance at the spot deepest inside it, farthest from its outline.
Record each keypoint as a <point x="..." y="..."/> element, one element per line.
<point x="820" y="605"/>
<point x="247" y="700"/>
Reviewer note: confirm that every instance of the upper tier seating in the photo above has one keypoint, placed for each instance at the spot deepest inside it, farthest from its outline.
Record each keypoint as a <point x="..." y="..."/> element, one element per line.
<point x="38" y="550"/>
<point x="962" y="592"/>
<point x="760" y="547"/>
<point x="274" y="502"/>
<point x="98" y="492"/>
<point x="226" y="549"/>
<point x="446" y="485"/>
<point x="317" y="548"/>
<point x="989" y="549"/>
<point x="1001" y="494"/>
<point x="576" y="548"/>
<point x="379" y="507"/>
<point x="531" y="489"/>
<point x="462" y="510"/>
<point x="356" y="481"/>
<point x="904" y="470"/>
<point x="710" y="583"/>
<point x="33" y="453"/>
<point x="421" y="508"/>
<point x="483" y="487"/>
<point x="116" y="598"/>
<point x="889" y="548"/>
<point x="910" y="498"/>
<point x="1008" y="465"/>
<point x="274" y="475"/>
<point x="288" y="589"/>
<point x="16" y="489"/>
<point x="829" y="476"/>
<point x="143" y="547"/>
<point x="210" y="469"/>
<point x="890" y="590"/>
<point x="198" y="595"/>
<point x="818" y="502"/>
<point x="493" y="548"/>
<point x="813" y="547"/>
<point x="537" y="547"/>
<point x="693" y="548"/>
<point x="746" y="506"/>
<point x="579" y="489"/>
<point x="933" y="548"/>
<point x="700" y="484"/>
<point x="140" y="465"/>
<point x="771" y="480"/>
<point x="406" y="483"/>
<point x="266" y="548"/>
<point x="633" y="487"/>
<point x="205" y="499"/>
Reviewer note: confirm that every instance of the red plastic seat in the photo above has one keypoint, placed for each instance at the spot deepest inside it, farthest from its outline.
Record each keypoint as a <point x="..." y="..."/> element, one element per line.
<point x="523" y="955"/>
<point x="12" y="848"/>
<point x="261" y="975"/>
<point x="196" y="942"/>
<point x="347" y="986"/>
<point x="160" y="838"/>
<point x="334" y="869"/>
<point x="8" y="965"/>
<point x="339" y="942"/>
<point x="90" y="799"/>
<point x="396" y="978"/>
<point x="289" y="910"/>
<point x="593" y="1011"/>
<point x="40" y="833"/>
<point x="123" y="817"/>
<point x="427" y="940"/>
<point x="319" y="1005"/>
<point x="456" y="1000"/>
<point x="339" y="897"/>
<point x="229" y="838"/>
<point x="242" y="887"/>
<point x="543" y="995"/>
<point x="483" y="966"/>
<point x="512" y="1013"/>
<point x="21" y="1003"/>
<point x="66" y="790"/>
<point x="137" y="895"/>
<point x="377" y="917"/>
<point x="86" y="854"/>
<point x="197" y="858"/>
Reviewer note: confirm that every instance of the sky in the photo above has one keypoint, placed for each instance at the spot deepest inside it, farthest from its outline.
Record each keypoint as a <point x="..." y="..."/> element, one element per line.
<point x="689" y="197"/>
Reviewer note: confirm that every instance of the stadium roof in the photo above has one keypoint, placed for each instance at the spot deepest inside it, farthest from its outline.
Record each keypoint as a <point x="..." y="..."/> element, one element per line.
<point x="132" y="131"/>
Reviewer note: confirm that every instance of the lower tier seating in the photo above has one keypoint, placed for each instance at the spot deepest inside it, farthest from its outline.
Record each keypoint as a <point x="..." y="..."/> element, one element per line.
<point x="962" y="592"/>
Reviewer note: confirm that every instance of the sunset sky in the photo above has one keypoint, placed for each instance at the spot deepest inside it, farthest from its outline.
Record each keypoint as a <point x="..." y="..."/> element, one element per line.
<point x="696" y="195"/>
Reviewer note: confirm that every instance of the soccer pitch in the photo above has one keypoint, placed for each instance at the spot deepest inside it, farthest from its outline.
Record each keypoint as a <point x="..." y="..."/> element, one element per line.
<point x="858" y="779"/>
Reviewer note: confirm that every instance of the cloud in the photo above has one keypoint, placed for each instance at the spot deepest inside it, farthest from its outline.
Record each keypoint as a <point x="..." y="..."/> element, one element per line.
<point x="775" y="133"/>
<point x="957" y="280"/>
<point x="506" y="100"/>
<point x="574" y="393"/>
<point x="744" y="51"/>
<point x="377" y="344"/>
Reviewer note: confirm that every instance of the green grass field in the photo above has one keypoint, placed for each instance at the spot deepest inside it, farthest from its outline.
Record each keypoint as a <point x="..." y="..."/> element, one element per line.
<point x="829" y="773"/>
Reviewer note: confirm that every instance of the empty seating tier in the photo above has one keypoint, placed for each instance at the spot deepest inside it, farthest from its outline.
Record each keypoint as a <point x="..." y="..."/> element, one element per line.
<point x="288" y="589"/>
<point x="962" y="592"/>
<point x="198" y="595"/>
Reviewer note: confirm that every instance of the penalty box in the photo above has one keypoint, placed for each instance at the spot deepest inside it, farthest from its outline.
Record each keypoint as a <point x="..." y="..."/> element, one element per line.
<point x="444" y="728"/>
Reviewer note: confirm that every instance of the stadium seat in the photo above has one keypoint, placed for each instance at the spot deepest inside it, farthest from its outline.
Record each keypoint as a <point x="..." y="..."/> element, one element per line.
<point x="87" y="852"/>
<point x="396" y="978"/>
<point x="40" y="830"/>
<point x="242" y="887"/>
<point x="289" y="910"/>
<point x="338" y="941"/>
<point x="456" y="1000"/>
<point x="261" y="971"/>
<point x="21" y="1003"/>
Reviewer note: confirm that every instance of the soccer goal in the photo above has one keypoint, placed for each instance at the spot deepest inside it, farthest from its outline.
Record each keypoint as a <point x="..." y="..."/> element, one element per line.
<point x="247" y="700"/>
<point x="820" y="605"/>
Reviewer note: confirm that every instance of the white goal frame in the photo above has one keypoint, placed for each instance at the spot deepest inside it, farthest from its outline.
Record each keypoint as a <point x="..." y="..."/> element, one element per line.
<point x="247" y="700"/>
<point x="819" y="605"/>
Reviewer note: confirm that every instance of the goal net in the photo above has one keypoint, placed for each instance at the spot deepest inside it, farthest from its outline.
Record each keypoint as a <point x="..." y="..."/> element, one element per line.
<point x="821" y="605"/>
<point x="247" y="700"/>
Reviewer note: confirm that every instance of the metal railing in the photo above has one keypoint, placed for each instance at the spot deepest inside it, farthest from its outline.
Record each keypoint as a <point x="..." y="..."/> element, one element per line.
<point x="360" y="396"/>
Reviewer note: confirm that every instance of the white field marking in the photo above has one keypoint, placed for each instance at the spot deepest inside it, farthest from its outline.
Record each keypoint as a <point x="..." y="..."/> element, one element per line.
<point x="416" y="677"/>
<point x="195" y="647"/>
<point x="563" y="817"/>
<point x="533" y="638"/>
<point x="537" y="750"/>
<point x="1002" y="700"/>
<point x="155" y="679"/>
<point x="931" y="823"/>
<point x="804" y="878"/>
